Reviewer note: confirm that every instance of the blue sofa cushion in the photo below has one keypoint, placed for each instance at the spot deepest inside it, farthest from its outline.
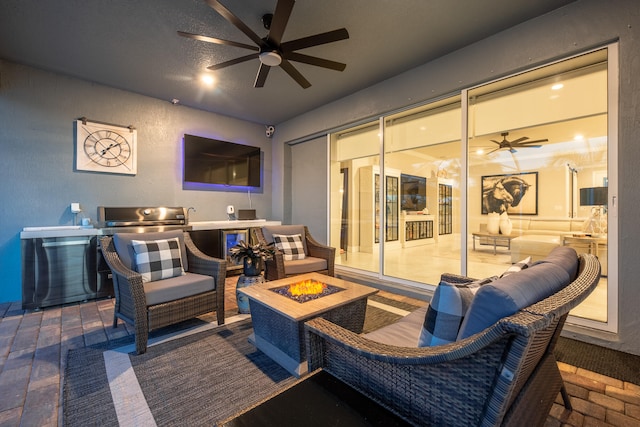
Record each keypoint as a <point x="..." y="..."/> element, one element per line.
<point x="565" y="257"/>
<point x="518" y="266"/>
<point x="511" y="293"/>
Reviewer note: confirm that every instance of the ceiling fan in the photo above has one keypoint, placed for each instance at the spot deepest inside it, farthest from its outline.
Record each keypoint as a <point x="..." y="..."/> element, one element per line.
<point x="517" y="143"/>
<point x="270" y="50"/>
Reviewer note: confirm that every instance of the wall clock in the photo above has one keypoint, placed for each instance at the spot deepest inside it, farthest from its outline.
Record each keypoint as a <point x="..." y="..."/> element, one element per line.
<point x="105" y="148"/>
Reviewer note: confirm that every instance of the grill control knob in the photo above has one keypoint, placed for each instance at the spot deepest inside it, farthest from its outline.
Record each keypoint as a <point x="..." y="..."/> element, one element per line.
<point x="146" y="211"/>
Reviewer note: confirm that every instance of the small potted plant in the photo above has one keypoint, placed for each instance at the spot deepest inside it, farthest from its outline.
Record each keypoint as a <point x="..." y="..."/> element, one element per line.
<point x="252" y="256"/>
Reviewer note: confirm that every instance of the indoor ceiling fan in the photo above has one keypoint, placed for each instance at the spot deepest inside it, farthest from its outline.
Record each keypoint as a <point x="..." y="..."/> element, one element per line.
<point x="517" y="143"/>
<point x="270" y="50"/>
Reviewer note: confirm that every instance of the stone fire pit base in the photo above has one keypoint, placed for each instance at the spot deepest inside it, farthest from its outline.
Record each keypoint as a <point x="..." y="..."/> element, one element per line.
<point x="278" y="321"/>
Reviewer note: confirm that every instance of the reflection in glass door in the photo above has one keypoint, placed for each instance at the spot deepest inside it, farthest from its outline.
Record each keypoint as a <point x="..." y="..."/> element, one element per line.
<point x="537" y="140"/>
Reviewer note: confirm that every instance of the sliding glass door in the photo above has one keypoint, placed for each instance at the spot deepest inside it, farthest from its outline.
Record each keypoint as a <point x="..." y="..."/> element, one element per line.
<point x="473" y="183"/>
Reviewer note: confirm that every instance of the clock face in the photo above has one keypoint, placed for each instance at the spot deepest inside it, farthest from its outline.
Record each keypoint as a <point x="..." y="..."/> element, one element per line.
<point x="105" y="148"/>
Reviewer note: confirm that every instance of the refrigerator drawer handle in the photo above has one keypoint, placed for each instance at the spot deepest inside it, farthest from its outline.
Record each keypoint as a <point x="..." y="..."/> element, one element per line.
<point x="65" y="243"/>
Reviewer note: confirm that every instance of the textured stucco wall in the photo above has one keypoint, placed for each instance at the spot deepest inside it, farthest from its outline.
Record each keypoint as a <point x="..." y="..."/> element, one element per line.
<point x="575" y="28"/>
<point x="37" y="114"/>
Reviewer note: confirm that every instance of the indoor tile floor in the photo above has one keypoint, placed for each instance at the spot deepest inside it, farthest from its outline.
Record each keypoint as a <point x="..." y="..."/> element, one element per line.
<point x="34" y="344"/>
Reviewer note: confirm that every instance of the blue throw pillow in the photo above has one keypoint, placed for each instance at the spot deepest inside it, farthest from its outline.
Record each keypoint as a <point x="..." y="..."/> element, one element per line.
<point x="446" y="312"/>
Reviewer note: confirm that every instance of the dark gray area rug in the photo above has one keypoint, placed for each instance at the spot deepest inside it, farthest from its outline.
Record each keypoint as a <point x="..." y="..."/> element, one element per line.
<point x="195" y="380"/>
<point x="602" y="360"/>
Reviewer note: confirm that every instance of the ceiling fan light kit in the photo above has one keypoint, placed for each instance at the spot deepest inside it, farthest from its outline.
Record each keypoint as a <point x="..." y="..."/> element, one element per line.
<point x="270" y="50"/>
<point x="272" y="59"/>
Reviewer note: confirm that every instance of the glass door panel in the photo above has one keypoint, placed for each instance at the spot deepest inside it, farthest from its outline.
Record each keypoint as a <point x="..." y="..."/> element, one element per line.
<point x="422" y="152"/>
<point x="355" y="197"/>
<point x="537" y="142"/>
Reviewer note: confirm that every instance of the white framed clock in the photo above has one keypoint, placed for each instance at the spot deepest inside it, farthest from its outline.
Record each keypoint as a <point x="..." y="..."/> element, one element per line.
<point x="105" y="148"/>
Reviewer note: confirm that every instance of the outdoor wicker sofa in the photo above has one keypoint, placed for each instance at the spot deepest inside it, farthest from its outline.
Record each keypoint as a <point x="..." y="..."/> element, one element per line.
<point x="153" y="305"/>
<point x="505" y="374"/>
<point x="318" y="257"/>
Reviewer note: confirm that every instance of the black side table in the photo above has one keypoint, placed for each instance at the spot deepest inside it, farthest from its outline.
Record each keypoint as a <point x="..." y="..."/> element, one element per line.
<point x="320" y="400"/>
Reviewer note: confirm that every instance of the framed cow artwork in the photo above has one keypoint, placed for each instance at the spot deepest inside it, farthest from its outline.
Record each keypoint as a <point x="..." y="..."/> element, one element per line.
<point x="515" y="194"/>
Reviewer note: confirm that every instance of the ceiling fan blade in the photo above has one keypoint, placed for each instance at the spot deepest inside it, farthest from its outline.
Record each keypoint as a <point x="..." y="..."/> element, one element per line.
<point x="280" y="19"/>
<point x="318" y="39"/>
<point x="261" y="77"/>
<point x="312" y="60"/>
<point x="229" y="16"/>
<point x="524" y="144"/>
<point x="494" y="150"/>
<point x="519" y="140"/>
<point x="295" y="74"/>
<point x="217" y="41"/>
<point x="233" y="62"/>
<point x="497" y="142"/>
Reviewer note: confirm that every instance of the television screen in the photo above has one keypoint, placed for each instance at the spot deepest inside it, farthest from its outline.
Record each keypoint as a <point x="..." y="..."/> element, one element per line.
<point x="212" y="161"/>
<point x="413" y="190"/>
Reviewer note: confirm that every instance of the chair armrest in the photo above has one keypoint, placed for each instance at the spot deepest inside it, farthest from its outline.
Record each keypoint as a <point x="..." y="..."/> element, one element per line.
<point x="442" y="385"/>
<point x="127" y="284"/>
<point x="318" y="250"/>
<point x="201" y="263"/>
<point x="455" y="278"/>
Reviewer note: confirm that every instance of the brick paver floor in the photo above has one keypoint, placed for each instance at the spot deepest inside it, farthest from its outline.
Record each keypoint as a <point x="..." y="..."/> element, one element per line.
<point x="34" y="344"/>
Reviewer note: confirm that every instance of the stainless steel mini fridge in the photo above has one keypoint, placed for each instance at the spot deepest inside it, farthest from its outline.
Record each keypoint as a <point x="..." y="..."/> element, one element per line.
<point x="58" y="270"/>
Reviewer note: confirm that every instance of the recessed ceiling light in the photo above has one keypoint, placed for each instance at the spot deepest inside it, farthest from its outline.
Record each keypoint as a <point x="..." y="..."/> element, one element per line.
<point x="557" y="86"/>
<point x="207" y="79"/>
<point x="578" y="137"/>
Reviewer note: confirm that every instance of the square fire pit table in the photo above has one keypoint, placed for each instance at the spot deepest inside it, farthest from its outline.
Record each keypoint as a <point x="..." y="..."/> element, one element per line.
<point x="278" y="320"/>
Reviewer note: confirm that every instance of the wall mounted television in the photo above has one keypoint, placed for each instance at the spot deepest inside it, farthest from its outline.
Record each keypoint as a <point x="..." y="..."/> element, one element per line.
<point x="413" y="191"/>
<point x="212" y="161"/>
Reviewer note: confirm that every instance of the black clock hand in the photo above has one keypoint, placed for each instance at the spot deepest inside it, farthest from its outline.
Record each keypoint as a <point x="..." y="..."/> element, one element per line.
<point x="103" y="152"/>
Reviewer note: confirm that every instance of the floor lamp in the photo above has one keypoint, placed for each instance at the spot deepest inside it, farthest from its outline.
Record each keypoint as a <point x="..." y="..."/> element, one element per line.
<point x="595" y="196"/>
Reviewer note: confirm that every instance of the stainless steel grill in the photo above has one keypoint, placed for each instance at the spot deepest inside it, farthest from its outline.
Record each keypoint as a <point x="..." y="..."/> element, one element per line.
<point x="141" y="219"/>
<point x="135" y="220"/>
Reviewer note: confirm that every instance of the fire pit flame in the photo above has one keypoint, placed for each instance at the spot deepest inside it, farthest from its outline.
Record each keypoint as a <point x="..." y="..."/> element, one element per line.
<point x="307" y="287"/>
<point x="306" y="290"/>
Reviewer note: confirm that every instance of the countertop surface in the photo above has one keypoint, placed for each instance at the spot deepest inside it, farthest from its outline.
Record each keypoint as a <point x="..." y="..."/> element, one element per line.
<point x="58" y="231"/>
<point x="214" y="225"/>
<point x="77" y="230"/>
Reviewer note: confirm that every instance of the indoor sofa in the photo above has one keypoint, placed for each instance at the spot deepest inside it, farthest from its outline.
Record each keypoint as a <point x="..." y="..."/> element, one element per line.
<point x="499" y="370"/>
<point x="538" y="236"/>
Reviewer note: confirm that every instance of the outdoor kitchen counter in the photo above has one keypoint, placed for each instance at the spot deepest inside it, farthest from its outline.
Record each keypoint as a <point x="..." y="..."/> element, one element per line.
<point x="221" y="225"/>
<point x="57" y="231"/>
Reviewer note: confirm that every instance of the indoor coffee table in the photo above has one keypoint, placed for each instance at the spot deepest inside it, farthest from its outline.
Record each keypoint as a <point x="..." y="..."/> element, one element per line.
<point x="278" y="320"/>
<point x="496" y="240"/>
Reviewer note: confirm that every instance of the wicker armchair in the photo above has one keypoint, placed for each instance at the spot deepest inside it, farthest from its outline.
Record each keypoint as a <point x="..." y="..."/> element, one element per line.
<point x="199" y="294"/>
<point x="319" y="258"/>
<point x="504" y="375"/>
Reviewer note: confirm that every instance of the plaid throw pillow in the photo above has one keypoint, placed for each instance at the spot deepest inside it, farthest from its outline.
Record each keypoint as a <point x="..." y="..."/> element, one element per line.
<point x="291" y="246"/>
<point x="158" y="259"/>
<point x="446" y="311"/>
<point x="520" y="265"/>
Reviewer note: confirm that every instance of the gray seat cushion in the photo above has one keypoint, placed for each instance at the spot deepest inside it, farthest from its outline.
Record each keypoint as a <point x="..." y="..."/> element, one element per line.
<point x="177" y="288"/>
<point x="404" y="333"/>
<point x="307" y="265"/>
